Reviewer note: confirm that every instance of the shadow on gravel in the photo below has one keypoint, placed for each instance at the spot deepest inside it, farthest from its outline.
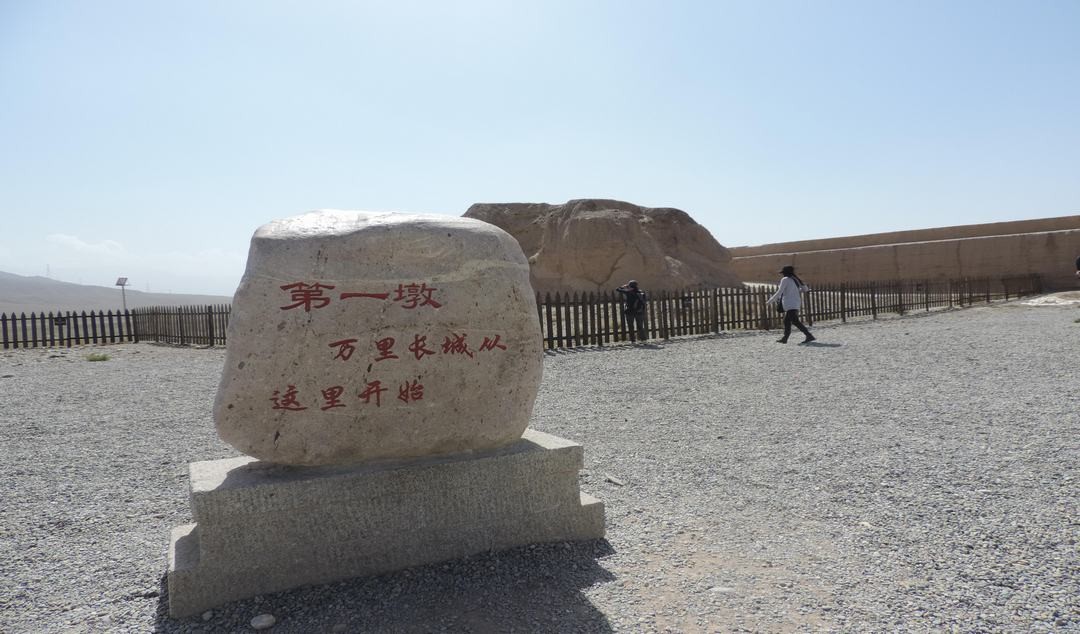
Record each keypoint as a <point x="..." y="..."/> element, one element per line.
<point x="533" y="588"/>
<point x="656" y="344"/>
<point x="818" y="344"/>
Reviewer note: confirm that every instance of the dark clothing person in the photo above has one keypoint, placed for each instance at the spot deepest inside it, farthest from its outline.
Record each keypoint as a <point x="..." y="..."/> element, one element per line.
<point x="634" y="310"/>
<point x="789" y="295"/>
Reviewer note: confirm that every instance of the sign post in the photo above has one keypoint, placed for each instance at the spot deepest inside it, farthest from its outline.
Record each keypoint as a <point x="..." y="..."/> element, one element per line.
<point x="122" y="282"/>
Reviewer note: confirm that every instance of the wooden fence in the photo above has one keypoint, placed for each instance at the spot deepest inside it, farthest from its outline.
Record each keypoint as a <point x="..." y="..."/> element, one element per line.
<point x="591" y="319"/>
<point x="65" y="329"/>
<point x="183" y="325"/>
<point x="566" y="320"/>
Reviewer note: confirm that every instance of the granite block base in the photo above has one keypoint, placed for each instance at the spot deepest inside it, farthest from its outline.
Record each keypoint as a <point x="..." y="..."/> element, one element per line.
<point x="261" y="527"/>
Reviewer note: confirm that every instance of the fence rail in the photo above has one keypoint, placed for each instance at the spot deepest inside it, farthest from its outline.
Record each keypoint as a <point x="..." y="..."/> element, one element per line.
<point x="566" y="320"/>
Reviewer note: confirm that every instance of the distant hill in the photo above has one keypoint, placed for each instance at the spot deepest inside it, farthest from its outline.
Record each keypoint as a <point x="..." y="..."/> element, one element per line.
<point x="22" y="294"/>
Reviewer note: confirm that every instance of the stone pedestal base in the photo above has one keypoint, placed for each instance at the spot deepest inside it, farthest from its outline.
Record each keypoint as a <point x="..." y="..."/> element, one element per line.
<point x="264" y="528"/>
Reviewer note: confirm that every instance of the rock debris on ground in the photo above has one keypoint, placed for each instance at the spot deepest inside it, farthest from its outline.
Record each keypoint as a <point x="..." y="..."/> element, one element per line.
<point x="908" y="474"/>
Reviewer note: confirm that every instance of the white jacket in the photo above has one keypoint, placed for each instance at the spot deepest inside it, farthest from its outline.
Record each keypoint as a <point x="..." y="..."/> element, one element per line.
<point x="788" y="293"/>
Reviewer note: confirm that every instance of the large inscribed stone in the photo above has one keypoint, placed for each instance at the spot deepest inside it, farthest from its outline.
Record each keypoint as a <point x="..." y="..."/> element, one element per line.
<point x="362" y="336"/>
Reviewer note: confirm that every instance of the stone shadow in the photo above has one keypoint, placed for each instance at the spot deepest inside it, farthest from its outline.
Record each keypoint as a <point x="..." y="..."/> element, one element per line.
<point x="527" y="589"/>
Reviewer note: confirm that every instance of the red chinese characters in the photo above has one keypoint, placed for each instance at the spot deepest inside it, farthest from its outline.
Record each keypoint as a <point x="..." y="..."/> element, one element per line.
<point x="491" y="344"/>
<point x="374" y="390"/>
<point x="409" y="296"/>
<point x="386" y="349"/>
<point x="332" y="397"/>
<point x="315" y="295"/>
<point x="419" y="347"/>
<point x="413" y="295"/>
<point x="455" y="344"/>
<point x="408" y="392"/>
<point x="345" y="348"/>
<point x="307" y="295"/>
<point x="371" y="295"/>
<point x="287" y="400"/>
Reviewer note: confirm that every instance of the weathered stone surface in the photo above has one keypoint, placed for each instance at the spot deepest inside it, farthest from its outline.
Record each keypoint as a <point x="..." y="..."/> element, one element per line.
<point x="597" y="245"/>
<point x="263" y="528"/>
<point x="363" y="336"/>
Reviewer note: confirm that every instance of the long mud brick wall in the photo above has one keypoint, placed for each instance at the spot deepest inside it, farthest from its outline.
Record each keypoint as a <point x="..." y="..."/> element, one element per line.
<point x="1047" y="247"/>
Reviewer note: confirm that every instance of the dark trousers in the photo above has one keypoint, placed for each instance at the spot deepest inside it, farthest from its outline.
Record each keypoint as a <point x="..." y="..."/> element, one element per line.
<point x="792" y="317"/>
<point x="635" y="323"/>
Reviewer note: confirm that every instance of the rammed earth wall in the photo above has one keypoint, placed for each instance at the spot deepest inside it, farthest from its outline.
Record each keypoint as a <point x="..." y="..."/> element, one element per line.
<point x="1047" y="247"/>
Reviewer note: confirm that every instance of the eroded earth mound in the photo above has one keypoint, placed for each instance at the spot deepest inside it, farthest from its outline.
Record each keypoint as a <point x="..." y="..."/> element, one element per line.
<point x="597" y="245"/>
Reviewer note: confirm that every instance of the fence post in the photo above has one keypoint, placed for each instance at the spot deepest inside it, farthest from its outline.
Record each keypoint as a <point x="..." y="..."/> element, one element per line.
<point x="545" y="319"/>
<point x="75" y="337"/>
<point x="210" y="325"/>
<point x="762" y="317"/>
<point x="594" y="321"/>
<point x="540" y="314"/>
<point x="873" y="299"/>
<point x="132" y="319"/>
<point x="226" y="314"/>
<point x="581" y="312"/>
<point x="714" y="300"/>
<point x="93" y="327"/>
<point x="573" y="324"/>
<point x="561" y="331"/>
<point x="664" y="314"/>
<point x="33" y="332"/>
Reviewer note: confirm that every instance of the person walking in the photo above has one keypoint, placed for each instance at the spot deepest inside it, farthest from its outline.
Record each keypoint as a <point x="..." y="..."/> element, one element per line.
<point x="635" y="309"/>
<point x="789" y="298"/>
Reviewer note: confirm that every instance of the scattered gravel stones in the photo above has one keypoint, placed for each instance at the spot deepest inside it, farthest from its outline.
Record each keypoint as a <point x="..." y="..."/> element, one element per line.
<point x="908" y="474"/>
<point x="263" y="622"/>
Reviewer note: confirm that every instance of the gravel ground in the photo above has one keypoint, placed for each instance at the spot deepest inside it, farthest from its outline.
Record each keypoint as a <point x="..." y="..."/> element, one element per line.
<point x="909" y="474"/>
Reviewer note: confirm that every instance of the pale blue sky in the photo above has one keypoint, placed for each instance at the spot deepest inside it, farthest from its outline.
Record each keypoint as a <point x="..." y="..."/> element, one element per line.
<point x="150" y="139"/>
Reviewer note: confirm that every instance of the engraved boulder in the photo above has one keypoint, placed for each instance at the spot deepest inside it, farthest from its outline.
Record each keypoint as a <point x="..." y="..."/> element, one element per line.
<point x="359" y="336"/>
